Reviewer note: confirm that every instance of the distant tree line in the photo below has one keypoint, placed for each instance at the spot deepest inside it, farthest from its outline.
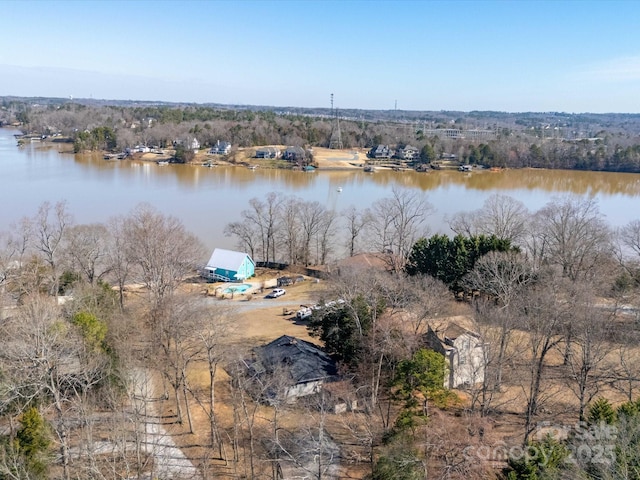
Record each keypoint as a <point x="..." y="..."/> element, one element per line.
<point x="587" y="142"/>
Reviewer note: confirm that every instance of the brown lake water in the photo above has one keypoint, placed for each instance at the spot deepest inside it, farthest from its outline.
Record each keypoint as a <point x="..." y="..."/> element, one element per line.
<point x="206" y="199"/>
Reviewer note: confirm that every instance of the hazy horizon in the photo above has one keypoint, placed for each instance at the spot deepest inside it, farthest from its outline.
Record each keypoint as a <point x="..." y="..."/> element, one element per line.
<point x="272" y="105"/>
<point x="526" y="56"/>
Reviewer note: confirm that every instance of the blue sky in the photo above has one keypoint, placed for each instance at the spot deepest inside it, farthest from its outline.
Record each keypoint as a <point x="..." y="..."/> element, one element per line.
<point x="571" y="56"/>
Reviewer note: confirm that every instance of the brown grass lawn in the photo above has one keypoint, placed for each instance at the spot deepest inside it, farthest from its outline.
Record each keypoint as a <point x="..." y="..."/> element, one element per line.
<point x="258" y="320"/>
<point x="324" y="158"/>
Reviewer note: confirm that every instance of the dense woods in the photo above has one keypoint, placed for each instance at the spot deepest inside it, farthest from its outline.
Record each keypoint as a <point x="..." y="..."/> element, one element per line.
<point x="608" y="142"/>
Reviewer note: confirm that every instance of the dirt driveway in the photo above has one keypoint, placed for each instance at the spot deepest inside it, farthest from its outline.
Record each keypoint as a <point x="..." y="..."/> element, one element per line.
<point x="259" y="319"/>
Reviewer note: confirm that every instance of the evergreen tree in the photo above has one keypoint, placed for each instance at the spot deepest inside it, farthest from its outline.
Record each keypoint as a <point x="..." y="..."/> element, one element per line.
<point x="32" y="440"/>
<point x="451" y="259"/>
<point x="601" y="411"/>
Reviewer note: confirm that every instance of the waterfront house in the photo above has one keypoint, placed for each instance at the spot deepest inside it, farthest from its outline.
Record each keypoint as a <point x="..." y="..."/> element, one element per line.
<point x="380" y="152"/>
<point x="229" y="266"/>
<point x="220" y="148"/>
<point x="268" y="152"/>
<point x="295" y="154"/>
<point x="407" y="153"/>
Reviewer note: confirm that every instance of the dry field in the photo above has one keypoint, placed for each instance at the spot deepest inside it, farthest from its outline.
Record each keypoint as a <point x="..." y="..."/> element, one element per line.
<point x="339" y="159"/>
<point x="258" y="320"/>
<point x="324" y="158"/>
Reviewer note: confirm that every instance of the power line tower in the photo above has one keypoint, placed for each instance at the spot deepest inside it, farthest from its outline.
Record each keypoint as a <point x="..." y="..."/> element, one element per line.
<point x="335" y="141"/>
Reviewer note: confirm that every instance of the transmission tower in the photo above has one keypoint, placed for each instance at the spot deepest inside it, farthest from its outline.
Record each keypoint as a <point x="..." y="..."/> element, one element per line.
<point x="336" y="137"/>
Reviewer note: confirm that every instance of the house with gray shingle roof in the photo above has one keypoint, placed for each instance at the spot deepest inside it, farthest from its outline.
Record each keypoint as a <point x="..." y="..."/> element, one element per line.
<point x="298" y="366"/>
<point x="268" y="152"/>
<point x="407" y="153"/>
<point x="295" y="154"/>
<point x="380" y="151"/>
<point x="220" y="148"/>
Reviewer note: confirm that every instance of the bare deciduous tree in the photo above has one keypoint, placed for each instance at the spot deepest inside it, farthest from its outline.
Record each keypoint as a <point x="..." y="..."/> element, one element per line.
<point x="626" y="372"/>
<point x="630" y="236"/>
<point x="326" y="234"/>
<point x="419" y="298"/>
<point x="162" y="249"/>
<point x="377" y="334"/>
<point x="464" y="223"/>
<point x="117" y="258"/>
<point x="262" y="218"/>
<point x="48" y="230"/>
<point x="45" y="359"/>
<point x="501" y="276"/>
<point x="497" y="328"/>
<point x="290" y="228"/>
<point x="311" y="215"/>
<point x="542" y="314"/>
<point x="501" y="215"/>
<point x="357" y="222"/>
<point x="181" y="324"/>
<point x="87" y="247"/>
<point x="247" y="234"/>
<point x="214" y="339"/>
<point x="586" y="367"/>
<point x="571" y="234"/>
<point x="308" y="450"/>
<point x="397" y="222"/>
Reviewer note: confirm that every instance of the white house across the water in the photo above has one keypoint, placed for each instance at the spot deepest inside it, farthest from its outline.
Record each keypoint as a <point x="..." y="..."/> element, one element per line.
<point x="229" y="266"/>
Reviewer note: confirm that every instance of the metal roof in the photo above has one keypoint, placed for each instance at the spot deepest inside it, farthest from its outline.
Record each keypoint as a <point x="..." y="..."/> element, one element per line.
<point x="227" y="259"/>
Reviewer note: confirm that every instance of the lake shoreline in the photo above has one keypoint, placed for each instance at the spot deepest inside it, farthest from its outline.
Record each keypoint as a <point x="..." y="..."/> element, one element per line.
<point x="203" y="158"/>
<point x="208" y="199"/>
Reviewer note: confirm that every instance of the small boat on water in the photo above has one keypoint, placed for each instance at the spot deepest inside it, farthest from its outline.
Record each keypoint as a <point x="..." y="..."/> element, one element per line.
<point x="252" y="167"/>
<point x="109" y="156"/>
<point x="162" y="162"/>
<point x="369" y="169"/>
<point x="339" y="189"/>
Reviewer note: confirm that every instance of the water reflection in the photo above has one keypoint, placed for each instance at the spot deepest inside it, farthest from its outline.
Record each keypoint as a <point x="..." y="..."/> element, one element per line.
<point x="206" y="199"/>
<point x="190" y="176"/>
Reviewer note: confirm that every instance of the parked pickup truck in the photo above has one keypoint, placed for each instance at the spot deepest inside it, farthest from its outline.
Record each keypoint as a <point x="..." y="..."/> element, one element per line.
<point x="304" y="312"/>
